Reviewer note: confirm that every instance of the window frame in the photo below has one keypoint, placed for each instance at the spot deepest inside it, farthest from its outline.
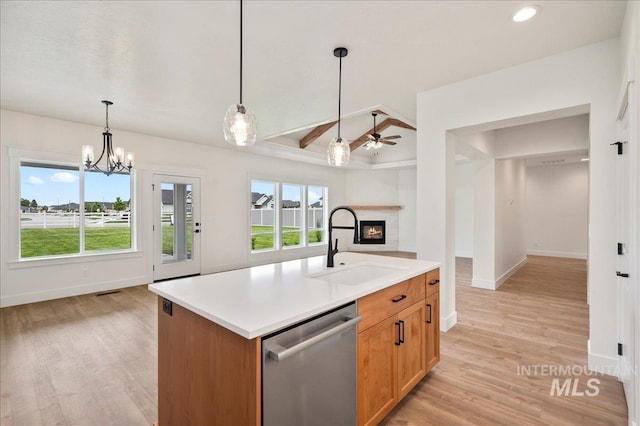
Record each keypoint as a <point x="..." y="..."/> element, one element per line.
<point x="278" y="245"/>
<point x="20" y="156"/>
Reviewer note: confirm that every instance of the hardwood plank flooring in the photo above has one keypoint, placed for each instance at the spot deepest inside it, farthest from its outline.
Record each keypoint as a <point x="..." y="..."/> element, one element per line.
<point x="487" y="371"/>
<point x="85" y="360"/>
<point x="92" y="360"/>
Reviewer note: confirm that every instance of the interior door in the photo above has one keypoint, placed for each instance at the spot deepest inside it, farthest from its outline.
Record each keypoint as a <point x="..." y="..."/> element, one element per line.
<point x="626" y="294"/>
<point x="176" y="226"/>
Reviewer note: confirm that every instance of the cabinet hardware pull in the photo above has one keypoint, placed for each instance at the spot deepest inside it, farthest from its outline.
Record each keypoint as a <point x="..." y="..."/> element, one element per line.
<point x="397" y="299"/>
<point x="398" y="342"/>
<point x="401" y="331"/>
<point x="620" y="274"/>
<point x="434" y="282"/>
<point x="429" y="320"/>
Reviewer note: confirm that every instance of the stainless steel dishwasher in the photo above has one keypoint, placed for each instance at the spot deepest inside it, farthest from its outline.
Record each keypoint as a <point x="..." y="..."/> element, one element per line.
<point x="309" y="371"/>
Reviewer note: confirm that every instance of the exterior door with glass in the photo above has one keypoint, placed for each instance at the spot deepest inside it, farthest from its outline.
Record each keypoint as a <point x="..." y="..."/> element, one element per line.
<point x="176" y="226"/>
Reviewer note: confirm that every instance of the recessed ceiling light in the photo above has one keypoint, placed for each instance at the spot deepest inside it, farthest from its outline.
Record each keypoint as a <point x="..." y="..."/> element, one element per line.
<point x="525" y="13"/>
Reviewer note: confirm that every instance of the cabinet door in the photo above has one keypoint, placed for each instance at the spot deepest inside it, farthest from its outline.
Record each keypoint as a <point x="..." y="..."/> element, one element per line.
<point x="432" y="335"/>
<point x="377" y="371"/>
<point x="411" y="357"/>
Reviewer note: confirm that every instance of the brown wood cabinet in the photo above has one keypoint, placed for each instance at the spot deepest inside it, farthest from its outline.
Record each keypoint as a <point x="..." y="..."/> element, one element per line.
<point x="432" y="329"/>
<point x="210" y="375"/>
<point x="392" y="347"/>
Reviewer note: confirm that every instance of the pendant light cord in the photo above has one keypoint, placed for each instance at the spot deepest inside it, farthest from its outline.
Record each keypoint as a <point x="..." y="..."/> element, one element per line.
<point x="339" y="94"/>
<point x="240" y="52"/>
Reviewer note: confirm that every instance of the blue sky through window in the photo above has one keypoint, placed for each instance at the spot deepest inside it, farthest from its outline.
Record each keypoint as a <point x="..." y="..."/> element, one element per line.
<point x="56" y="186"/>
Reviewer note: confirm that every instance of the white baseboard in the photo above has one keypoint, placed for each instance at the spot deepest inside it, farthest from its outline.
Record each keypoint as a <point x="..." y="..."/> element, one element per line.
<point x="551" y="253"/>
<point x="449" y="321"/>
<point x="602" y="363"/>
<point x="58" y="293"/>
<point x="510" y="272"/>
<point x="493" y="285"/>
<point x="464" y="253"/>
<point x="486" y="284"/>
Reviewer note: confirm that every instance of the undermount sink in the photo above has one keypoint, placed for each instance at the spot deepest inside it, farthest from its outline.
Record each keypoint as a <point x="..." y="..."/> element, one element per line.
<point x="355" y="274"/>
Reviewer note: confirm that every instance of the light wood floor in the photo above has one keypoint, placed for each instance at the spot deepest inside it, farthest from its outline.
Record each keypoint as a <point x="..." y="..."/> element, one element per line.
<point x="538" y="317"/>
<point x="91" y="360"/>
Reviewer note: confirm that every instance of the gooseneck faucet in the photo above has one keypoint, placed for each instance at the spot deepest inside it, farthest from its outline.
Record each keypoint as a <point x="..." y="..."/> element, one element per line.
<point x="332" y="251"/>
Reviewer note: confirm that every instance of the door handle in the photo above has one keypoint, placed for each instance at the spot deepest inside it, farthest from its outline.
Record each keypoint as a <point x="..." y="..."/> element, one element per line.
<point x="620" y="274"/>
<point x="429" y="320"/>
<point x="398" y="342"/>
<point x="434" y="282"/>
<point x="401" y="331"/>
<point x="280" y="353"/>
<point x="197" y="231"/>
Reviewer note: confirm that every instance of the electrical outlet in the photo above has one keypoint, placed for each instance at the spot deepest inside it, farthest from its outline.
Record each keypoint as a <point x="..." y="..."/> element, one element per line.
<point x="167" y="306"/>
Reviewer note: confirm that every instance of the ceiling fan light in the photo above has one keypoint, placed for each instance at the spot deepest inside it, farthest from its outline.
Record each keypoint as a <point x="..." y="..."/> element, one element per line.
<point x="338" y="152"/>
<point x="240" y="126"/>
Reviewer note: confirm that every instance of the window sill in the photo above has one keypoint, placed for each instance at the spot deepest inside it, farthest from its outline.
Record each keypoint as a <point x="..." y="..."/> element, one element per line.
<point x="70" y="259"/>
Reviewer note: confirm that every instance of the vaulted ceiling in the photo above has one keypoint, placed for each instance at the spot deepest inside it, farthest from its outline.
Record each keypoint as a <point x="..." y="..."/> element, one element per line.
<point x="171" y="67"/>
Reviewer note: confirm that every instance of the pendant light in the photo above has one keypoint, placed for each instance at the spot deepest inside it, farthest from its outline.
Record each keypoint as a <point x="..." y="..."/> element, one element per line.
<point x="117" y="161"/>
<point x="338" y="151"/>
<point x="240" y="127"/>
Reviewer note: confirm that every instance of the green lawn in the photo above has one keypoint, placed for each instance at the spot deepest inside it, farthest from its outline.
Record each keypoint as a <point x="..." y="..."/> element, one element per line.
<point x="262" y="237"/>
<point x="57" y="241"/>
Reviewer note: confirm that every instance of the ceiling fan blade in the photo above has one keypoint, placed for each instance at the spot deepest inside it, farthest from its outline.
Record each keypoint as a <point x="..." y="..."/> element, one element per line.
<point x="387" y="142"/>
<point x="392" y="137"/>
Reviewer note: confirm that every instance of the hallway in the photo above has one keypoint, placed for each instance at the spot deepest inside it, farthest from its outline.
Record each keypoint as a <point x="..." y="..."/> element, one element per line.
<point x="536" y="322"/>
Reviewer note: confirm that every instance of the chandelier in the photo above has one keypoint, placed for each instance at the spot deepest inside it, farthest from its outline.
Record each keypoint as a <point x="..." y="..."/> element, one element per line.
<point x="117" y="161"/>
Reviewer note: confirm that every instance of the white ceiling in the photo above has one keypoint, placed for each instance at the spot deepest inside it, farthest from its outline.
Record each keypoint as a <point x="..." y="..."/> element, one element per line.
<point x="171" y="67"/>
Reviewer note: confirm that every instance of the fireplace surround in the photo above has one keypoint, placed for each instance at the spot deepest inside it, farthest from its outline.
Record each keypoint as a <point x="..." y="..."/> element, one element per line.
<point x="372" y="232"/>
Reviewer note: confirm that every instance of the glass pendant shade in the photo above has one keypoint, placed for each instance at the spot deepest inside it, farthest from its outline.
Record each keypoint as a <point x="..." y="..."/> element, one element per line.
<point x="338" y="152"/>
<point x="240" y="126"/>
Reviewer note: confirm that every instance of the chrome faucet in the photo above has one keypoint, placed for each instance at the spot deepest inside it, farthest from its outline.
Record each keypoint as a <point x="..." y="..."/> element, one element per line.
<point x="332" y="251"/>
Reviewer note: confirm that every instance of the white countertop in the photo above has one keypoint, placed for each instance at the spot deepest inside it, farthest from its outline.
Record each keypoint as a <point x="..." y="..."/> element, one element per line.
<point x="256" y="301"/>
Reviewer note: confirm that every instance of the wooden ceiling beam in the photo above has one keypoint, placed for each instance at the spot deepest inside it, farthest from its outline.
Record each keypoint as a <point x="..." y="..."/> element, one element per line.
<point x="399" y="123"/>
<point x="388" y="122"/>
<point x="316" y="133"/>
<point x="365" y="137"/>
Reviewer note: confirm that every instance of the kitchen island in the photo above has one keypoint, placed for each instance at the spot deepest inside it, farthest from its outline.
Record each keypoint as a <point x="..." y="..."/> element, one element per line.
<point x="210" y="329"/>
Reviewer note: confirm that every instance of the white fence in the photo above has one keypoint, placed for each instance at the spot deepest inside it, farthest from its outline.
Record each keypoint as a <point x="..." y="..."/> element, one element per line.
<point x="290" y="217"/>
<point x="72" y="220"/>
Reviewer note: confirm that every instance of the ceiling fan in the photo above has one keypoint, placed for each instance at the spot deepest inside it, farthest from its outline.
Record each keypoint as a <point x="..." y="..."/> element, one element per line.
<point x="376" y="140"/>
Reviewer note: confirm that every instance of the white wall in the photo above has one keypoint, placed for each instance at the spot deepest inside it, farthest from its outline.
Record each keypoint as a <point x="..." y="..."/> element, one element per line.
<point x="586" y="76"/>
<point x="557" y="210"/>
<point x="464" y="209"/>
<point x="511" y="253"/>
<point x="546" y="137"/>
<point x="224" y="174"/>
<point x="407" y="215"/>
<point x="382" y="187"/>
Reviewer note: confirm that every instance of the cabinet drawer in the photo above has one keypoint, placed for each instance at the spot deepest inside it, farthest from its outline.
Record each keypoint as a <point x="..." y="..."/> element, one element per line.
<point x="433" y="282"/>
<point x="384" y="303"/>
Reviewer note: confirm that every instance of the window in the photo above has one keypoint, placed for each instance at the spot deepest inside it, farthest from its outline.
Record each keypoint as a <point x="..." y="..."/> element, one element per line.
<point x="64" y="210"/>
<point x="263" y="217"/>
<point x="286" y="215"/>
<point x="315" y="214"/>
<point x="291" y="215"/>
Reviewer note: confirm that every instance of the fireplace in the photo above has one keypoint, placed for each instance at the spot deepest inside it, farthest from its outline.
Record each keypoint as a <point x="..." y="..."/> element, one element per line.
<point x="372" y="232"/>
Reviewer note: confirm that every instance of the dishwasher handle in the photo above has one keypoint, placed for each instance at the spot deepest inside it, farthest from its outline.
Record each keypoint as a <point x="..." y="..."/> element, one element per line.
<point x="280" y="353"/>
